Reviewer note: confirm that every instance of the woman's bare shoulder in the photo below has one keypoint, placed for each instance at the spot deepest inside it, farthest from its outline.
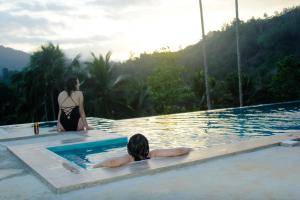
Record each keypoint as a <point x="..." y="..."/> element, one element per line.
<point x="62" y="94"/>
<point x="78" y="94"/>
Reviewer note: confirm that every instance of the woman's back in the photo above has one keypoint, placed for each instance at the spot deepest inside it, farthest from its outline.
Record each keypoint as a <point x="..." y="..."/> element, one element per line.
<point x="71" y="115"/>
<point x="69" y="106"/>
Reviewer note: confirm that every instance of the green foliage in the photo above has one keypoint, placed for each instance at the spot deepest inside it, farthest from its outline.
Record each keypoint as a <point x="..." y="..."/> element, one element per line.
<point x="7" y="103"/>
<point x="286" y="82"/>
<point x="198" y="88"/>
<point x="165" y="82"/>
<point x="137" y="95"/>
<point x="38" y="83"/>
<point x="168" y="90"/>
<point x="105" y="93"/>
<point x="198" y="85"/>
<point x="231" y="90"/>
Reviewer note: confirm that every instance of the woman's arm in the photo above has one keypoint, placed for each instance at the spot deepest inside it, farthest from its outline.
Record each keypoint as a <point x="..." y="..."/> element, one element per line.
<point x="59" y="126"/>
<point x="58" y="118"/>
<point x="169" y="152"/>
<point x="114" y="162"/>
<point x="81" y="110"/>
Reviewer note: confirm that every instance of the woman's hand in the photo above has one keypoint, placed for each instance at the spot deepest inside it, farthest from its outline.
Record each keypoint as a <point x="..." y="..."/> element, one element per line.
<point x="60" y="128"/>
<point x="86" y="128"/>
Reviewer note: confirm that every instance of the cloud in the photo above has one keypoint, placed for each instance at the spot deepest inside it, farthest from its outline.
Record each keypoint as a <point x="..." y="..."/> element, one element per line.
<point x="39" y="7"/>
<point x="122" y="3"/>
<point x="122" y="10"/>
<point x="24" y="29"/>
<point x="43" y="39"/>
<point x="117" y="25"/>
<point x="82" y="40"/>
<point x="9" y="22"/>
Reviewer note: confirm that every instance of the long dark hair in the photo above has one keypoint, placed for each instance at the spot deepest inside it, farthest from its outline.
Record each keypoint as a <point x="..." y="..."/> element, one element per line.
<point x="70" y="84"/>
<point x="138" y="147"/>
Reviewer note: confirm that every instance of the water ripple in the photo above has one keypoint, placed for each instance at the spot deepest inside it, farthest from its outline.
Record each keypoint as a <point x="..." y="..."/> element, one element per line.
<point x="208" y="128"/>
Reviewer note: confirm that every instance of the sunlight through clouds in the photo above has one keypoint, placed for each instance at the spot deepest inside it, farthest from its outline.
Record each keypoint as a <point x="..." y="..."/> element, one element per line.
<point x="84" y="26"/>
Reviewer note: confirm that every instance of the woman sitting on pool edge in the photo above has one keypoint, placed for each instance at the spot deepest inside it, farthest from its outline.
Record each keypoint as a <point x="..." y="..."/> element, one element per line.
<point x="71" y="115"/>
<point x="138" y="149"/>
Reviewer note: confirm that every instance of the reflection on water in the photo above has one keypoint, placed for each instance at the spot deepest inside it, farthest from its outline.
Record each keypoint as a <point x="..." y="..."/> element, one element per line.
<point x="205" y="129"/>
<point x="194" y="129"/>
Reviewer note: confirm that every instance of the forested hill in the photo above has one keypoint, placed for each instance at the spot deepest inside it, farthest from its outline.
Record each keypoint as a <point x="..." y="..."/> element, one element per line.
<point x="165" y="82"/>
<point x="12" y="59"/>
<point x="263" y="42"/>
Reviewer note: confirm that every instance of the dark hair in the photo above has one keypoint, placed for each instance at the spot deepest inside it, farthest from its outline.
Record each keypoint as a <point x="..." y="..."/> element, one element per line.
<point x="138" y="147"/>
<point x="70" y="84"/>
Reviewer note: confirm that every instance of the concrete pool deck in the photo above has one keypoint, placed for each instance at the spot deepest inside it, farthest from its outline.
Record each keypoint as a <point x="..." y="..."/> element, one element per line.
<point x="22" y="131"/>
<point x="157" y="174"/>
<point x="51" y="168"/>
<point x="270" y="173"/>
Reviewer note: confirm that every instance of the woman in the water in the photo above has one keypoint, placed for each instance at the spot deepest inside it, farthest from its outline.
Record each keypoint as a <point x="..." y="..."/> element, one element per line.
<point x="138" y="149"/>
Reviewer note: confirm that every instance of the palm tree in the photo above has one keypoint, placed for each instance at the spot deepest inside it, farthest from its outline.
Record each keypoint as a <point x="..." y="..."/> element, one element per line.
<point x="238" y="52"/>
<point x="75" y="67"/>
<point x="138" y="97"/>
<point x="204" y="58"/>
<point x="104" y="89"/>
<point x="38" y="82"/>
<point x="50" y="64"/>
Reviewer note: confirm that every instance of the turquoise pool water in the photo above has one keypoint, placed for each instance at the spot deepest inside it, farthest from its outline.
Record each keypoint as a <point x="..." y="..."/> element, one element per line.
<point x="200" y="129"/>
<point x="78" y="153"/>
<point x="205" y="129"/>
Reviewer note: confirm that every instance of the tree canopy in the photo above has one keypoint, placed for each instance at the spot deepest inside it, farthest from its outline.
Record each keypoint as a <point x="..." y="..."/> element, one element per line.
<point x="163" y="81"/>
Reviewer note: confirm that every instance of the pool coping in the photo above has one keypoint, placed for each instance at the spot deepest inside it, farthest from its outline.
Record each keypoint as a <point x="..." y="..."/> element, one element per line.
<point x="20" y="133"/>
<point x="25" y="131"/>
<point x="212" y="110"/>
<point x="49" y="167"/>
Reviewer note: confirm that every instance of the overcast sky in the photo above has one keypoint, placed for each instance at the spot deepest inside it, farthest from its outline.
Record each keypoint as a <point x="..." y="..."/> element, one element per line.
<point x="120" y="26"/>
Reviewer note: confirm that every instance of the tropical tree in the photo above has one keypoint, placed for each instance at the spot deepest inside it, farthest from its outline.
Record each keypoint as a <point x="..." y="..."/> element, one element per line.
<point x="7" y="104"/>
<point x="138" y="98"/>
<point x="105" y="92"/>
<point x="198" y="87"/>
<point x="75" y="67"/>
<point x="168" y="90"/>
<point x="38" y="83"/>
<point x="286" y="81"/>
<point x="231" y="90"/>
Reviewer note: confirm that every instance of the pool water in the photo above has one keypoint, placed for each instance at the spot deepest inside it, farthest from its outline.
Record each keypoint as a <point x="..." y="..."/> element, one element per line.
<point x="209" y="128"/>
<point x="200" y="129"/>
<point x="87" y="157"/>
<point x="82" y="153"/>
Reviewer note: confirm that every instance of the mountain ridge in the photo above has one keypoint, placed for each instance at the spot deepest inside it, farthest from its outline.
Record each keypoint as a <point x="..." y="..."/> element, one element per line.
<point x="13" y="59"/>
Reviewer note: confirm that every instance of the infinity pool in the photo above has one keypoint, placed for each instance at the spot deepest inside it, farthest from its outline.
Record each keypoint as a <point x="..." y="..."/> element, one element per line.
<point x="198" y="129"/>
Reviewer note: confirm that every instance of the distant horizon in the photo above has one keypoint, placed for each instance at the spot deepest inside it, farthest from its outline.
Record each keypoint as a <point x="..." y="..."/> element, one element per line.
<point x="124" y="28"/>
